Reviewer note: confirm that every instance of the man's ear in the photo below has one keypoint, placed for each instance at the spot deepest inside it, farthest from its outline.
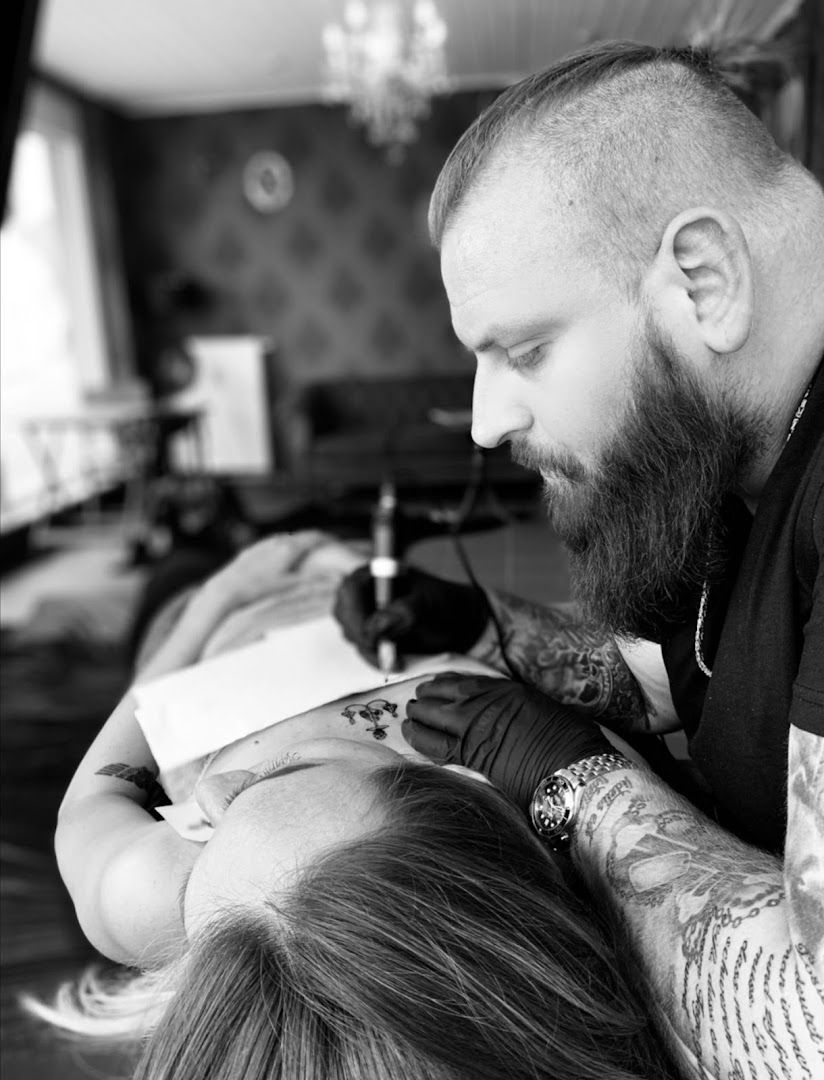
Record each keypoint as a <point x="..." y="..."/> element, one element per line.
<point x="700" y="281"/>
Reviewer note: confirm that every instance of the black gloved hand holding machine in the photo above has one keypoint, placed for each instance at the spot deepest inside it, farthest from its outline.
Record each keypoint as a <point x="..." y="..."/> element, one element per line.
<point x="425" y="614"/>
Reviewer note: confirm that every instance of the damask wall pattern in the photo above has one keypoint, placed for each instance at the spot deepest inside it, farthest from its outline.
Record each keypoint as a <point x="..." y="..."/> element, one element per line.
<point x="343" y="279"/>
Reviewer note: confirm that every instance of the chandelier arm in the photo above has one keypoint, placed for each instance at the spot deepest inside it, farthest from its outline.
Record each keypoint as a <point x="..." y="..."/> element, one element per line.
<point x="386" y="68"/>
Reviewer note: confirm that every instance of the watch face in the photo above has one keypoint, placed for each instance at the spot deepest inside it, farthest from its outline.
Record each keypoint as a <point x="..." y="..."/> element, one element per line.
<point x="552" y="806"/>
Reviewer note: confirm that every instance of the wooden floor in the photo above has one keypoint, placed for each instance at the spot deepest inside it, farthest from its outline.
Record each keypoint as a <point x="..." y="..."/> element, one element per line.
<point x="57" y="687"/>
<point x="55" y="695"/>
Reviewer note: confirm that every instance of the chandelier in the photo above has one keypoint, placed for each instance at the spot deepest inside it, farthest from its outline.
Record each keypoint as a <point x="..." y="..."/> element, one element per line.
<point x="386" y="63"/>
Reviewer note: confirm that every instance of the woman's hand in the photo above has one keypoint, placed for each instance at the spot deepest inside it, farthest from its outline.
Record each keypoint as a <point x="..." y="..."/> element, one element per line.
<point x="251" y="575"/>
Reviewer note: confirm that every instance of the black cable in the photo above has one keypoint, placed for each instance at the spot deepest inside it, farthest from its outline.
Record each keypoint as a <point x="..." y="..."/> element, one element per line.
<point x="463" y="558"/>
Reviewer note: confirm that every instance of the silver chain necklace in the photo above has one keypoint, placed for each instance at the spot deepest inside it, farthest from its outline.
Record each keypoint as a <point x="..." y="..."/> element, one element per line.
<point x="705" y="588"/>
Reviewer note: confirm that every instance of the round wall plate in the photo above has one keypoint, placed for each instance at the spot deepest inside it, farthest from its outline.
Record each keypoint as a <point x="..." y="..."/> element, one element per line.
<point x="268" y="183"/>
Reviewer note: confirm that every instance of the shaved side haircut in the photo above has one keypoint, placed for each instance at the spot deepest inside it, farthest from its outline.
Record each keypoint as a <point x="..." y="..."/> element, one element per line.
<point x="627" y="135"/>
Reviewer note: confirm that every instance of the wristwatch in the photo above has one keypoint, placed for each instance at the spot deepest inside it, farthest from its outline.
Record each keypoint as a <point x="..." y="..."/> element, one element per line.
<point x="555" y="805"/>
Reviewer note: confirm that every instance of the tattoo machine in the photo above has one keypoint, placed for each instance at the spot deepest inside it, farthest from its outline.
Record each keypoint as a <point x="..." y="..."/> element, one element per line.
<point x="384" y="567"/>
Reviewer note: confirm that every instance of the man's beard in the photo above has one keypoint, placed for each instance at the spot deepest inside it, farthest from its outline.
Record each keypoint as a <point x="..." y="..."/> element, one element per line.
<point x="644" y="528"/>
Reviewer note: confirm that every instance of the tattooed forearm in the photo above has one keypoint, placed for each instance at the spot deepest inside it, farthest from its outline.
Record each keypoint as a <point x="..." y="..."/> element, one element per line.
<point x="552" y="649"/>
<point x="140" y="776"/>
<point x="628" y="709"/>
<point x="804" y="852"/>
<point x="710" y="923"/>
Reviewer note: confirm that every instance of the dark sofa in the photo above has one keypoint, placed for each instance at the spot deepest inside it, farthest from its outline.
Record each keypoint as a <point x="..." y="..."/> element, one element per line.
<point x="354" y="432"/>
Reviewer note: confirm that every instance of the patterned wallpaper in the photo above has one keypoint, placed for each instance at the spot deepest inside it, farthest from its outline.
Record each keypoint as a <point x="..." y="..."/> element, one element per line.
<point x="343" y="279"/>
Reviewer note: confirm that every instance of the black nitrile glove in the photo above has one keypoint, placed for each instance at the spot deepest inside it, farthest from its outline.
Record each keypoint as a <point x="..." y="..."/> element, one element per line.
<point x="512" y="733"/>
<point x="427" y="615"/>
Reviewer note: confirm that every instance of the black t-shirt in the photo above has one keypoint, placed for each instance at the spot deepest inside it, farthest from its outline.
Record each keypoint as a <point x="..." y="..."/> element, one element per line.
<point x="763" y="640"/>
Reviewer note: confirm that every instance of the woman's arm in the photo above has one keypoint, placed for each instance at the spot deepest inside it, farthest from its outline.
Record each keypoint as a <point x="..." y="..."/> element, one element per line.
<point x="122" y="868"/>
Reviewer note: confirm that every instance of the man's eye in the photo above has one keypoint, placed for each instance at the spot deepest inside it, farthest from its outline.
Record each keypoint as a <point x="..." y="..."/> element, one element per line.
<point x="530" y="359"/>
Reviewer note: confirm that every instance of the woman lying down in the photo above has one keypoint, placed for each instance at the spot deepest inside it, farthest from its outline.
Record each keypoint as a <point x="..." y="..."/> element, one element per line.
<point x="356" y="912"/>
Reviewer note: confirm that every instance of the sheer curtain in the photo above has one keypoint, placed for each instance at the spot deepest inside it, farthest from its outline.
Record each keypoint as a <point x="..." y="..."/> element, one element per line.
<point x="55" y="353"/>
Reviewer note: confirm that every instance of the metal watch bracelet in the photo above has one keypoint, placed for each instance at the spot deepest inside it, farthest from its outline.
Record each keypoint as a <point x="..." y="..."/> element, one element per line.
<point x="555" y="804"/>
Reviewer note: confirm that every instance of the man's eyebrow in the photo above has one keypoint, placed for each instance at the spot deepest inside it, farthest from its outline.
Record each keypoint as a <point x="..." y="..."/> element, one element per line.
<point x="516" y="332"/>
<point x="181" y="892"/>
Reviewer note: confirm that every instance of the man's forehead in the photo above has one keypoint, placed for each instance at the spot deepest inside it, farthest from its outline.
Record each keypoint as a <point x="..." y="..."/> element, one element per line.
<point x="501" y="198"/>
<point x="511" y="217"/>
<point x="479" y="252"/>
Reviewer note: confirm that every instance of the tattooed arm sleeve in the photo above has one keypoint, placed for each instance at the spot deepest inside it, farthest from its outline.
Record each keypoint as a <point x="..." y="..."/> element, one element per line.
<point x="552" y="649"/>
<point x="729" y="942"/>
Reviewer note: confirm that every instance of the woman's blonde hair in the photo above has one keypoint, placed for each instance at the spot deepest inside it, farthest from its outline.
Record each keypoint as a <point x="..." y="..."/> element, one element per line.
<point x="445" y="945"/>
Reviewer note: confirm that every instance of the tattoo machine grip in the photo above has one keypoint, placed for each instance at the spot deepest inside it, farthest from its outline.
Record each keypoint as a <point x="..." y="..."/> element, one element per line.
<point x="384" y="567"/>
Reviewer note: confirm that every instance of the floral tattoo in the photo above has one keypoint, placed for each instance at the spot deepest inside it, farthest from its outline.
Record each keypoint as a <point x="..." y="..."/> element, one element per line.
<point x="373" y="712"/>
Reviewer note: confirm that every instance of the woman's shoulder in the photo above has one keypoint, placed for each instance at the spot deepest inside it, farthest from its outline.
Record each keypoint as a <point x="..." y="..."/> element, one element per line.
<point x="140" y="909"/>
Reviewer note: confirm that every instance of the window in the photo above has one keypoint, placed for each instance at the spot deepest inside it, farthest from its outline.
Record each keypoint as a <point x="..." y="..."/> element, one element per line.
<point x="52" y="335"/>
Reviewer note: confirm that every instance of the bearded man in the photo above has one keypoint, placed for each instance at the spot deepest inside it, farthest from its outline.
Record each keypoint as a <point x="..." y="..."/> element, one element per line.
<point x="637" y="268"/>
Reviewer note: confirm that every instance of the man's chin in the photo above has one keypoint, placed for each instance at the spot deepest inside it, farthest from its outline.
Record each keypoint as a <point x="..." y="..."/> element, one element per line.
<point x="562" y="498"/>
<point x="558" y="488"/>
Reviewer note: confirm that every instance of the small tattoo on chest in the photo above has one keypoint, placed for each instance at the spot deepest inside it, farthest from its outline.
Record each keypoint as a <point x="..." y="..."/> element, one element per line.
<point x="374" y="712"/>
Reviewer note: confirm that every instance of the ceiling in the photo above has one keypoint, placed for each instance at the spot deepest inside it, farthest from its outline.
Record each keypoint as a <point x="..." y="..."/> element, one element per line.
<point x="171" y="56"/>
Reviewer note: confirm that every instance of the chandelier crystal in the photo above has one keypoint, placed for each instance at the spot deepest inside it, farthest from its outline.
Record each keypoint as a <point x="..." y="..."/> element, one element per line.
<point x="386" y="63"/>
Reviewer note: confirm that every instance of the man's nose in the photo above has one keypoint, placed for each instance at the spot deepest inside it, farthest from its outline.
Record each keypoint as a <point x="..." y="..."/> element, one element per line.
<point x="498" y="409"/>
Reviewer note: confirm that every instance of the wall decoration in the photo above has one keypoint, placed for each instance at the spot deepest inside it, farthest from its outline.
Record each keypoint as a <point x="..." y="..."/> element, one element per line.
<point x="268" y="183"/>
<point x="315" y="277"/>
